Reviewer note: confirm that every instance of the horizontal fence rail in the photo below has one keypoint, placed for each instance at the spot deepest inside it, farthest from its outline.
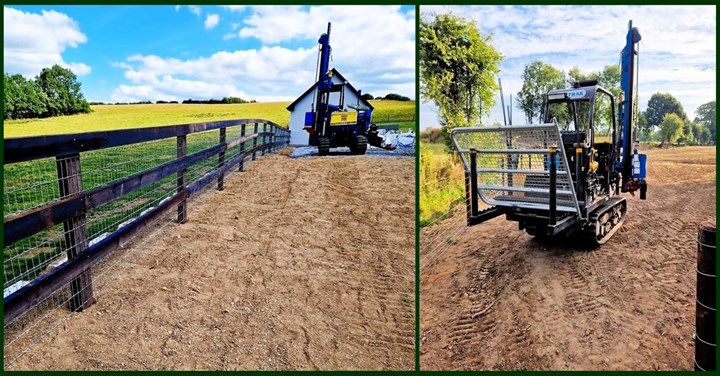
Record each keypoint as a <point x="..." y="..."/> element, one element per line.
<point x="71" y="200"/>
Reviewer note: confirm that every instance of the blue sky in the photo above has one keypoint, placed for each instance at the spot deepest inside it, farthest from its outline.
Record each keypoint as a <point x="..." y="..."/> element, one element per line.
<point x="267" y="53"/>
<point x="677" y="51"/>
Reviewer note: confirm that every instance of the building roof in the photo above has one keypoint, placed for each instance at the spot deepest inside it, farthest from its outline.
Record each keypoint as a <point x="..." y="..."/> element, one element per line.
<point x="291" y="107"/>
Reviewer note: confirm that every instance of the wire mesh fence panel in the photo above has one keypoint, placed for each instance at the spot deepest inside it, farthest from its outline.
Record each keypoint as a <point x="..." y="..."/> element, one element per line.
<point x="441" y="185"/>
<point x="31" y="257"/>
<point x="437" y="237"/>
<point x="29" y="185"/>
<point x="100" y="167"/>
<point x="128" y="189"/>
<point x="195" y="143"/>
<point x="442" y="205"/>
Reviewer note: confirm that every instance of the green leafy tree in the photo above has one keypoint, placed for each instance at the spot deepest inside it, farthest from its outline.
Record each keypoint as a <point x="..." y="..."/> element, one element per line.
<point x="396" y="97"/>
<point x="643" y="125"/>
<point x="575" y="75"/>
<point x="538" y="79"/>
<point x="9" y="96"/>
<point x="700" y="134"/>
<point x="609" y="78"/>
<point x="705" y="136"/>
<point x="431" y="135"/>
<point x="63" y="91"/>
<point x="233" y="100"/>
<point x="368" y="97"/>
<point x="647" y="137"/>
<point x="671" y="128"/>
<point x="705" y="116"/>
<point x="661" y="104"/>
<point x="23" y="98"/>
<point x="458" y="70"/>
<point x="687" y="137"/>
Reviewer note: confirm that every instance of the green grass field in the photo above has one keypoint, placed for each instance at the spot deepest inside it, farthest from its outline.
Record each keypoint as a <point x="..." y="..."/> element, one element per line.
<point x="110" y="117"/>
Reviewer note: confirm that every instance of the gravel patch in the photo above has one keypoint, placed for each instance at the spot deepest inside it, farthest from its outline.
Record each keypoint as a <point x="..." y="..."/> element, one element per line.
<point x="311" y="151"/>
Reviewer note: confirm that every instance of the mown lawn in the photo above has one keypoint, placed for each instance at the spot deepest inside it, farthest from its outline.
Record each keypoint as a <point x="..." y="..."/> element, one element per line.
<point x="110" y="117"/>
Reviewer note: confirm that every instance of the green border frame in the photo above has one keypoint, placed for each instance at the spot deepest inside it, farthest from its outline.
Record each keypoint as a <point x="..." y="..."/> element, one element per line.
<point x="417" y="4"/>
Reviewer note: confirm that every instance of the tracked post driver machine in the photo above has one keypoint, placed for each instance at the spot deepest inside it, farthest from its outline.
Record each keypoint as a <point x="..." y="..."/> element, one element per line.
<point x="563" y="177"/>
<point x="332" y="124"/>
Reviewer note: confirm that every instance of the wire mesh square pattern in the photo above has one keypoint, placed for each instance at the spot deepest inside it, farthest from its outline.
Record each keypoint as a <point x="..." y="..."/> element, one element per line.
<point x="513" y="165"/>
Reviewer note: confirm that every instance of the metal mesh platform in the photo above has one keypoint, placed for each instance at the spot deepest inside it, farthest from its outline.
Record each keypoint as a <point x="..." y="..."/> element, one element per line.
<point x="513" y="164"/>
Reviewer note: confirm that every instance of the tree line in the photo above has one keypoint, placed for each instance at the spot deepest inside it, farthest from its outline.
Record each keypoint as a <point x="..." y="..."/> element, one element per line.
<point x="459" y="70"/>
<point x="389" y="97"/>
<point x="225" y="100"/>
<point x="663" y="121"/>
<point x="55" y="91"/>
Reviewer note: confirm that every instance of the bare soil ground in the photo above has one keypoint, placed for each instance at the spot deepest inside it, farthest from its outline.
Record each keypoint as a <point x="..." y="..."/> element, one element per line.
<point x="497" y="299"/>
<point x="297" y="264"/>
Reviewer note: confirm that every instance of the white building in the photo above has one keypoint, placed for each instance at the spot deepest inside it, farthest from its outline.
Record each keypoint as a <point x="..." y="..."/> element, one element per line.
<point x="304" y="103"/>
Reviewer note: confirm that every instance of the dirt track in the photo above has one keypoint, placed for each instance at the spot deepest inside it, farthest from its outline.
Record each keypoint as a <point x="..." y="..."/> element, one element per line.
<point x="297" y="264"/>
<point x="497" y="299"/>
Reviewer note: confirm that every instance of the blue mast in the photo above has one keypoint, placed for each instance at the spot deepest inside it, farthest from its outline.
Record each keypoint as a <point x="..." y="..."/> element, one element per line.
<point x="324" y="81"/>
<point x="627" y="83"/>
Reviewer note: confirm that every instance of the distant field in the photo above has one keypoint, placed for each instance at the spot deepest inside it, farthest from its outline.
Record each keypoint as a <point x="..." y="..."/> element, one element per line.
<point x="109" y="117"/>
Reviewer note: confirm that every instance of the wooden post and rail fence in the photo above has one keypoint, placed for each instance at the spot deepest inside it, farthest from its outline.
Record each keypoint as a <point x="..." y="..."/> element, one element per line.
<point x="70" y="208"/>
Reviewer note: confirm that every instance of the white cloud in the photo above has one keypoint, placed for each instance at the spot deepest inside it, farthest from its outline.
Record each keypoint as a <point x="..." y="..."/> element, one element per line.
<point x="235" y="8"/>
<point x="375" y="59"/>
<point x="211" y="21"/>
<point x="34" y="41"/>
<point x="678" y="45"/>
<point x="266" y="73"/>
<point x="367" y="41"/>
<point x="195" y="9"/>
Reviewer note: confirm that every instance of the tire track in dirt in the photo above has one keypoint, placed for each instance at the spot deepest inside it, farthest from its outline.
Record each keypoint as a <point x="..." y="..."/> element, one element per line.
<point x="383" y="280"/>
<point x="278" y="271"/>
<point x="477" y="302"/>
<point x="627" y="305"/>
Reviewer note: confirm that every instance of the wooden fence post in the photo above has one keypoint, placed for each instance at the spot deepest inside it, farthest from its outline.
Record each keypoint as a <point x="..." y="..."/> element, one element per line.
<point x="272" y="138"/>
<point x="181" y="152"/>
<point x="76" y="236"/>
<point x="264" y="144"/>
<point x="255" y="140"/>
<point x="242" y="149"/>
<point x="221" y="160"/>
